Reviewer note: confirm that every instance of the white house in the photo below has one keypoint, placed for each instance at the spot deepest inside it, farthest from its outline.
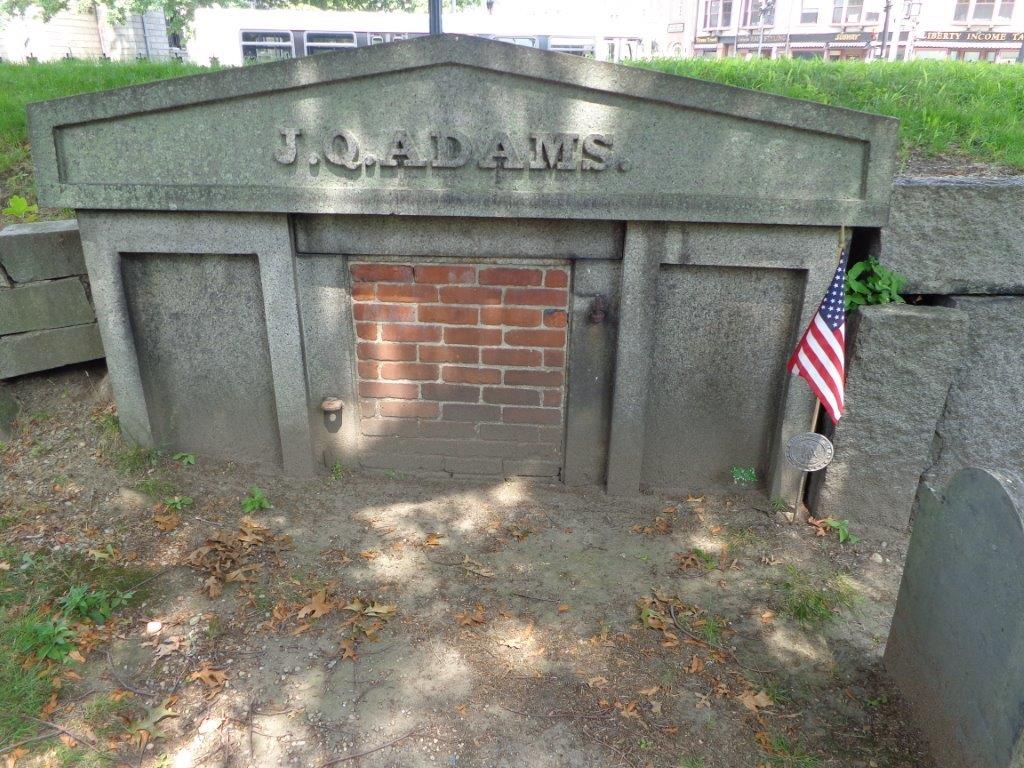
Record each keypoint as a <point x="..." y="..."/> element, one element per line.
<point x="84" y="34"/>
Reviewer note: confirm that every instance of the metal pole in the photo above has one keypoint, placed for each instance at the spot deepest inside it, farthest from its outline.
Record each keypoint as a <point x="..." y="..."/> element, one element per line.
<point x="435" y="16"/>
<point x="885" y="29"/>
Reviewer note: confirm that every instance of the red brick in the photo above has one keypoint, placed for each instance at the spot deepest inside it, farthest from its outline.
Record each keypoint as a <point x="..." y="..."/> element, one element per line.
<point x="459" y="375"/>
<point x="555" y="318"/>
<point x="526" y="318"/>
<point x="388" y="389"/>
<point x="386" y="273"/>
<point x="445" y="273"/>
<point x="556" y="278"/>
<point x="460" y="412"/>
<point x="410" y="332"/>
<point x="449" y="354"/>
<point x="459" y="295"/>
<point x="504" y="356"/>
<point x="553" y="397"/>
<point x="476" y="336"/>
<point x="394" y="312"/>
<point x="368" y="370"/>
<point x="534" y="378"/>
<point x="367" y="331"/>
<point x="510" y="276"/>
<point x="535" y="338"/>
<point x="385" y="351"/>
<point x="412" y="371"/>
<point x="368" y="408"/>
<point x="554" y="358"/>
<point x="362" y="291"/>
<point x="515" y="415"/>
<point x="402" y="409"/>
<point x="542" y="297"/>
<point x="398" y="292"/>
<point x="451" y="392"/>
<point x="449" y="315"/>
<point x="511" y="396"/>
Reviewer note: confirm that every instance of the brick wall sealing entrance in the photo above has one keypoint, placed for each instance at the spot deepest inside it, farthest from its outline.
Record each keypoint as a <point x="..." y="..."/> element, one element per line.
<point x="461" y="366"/>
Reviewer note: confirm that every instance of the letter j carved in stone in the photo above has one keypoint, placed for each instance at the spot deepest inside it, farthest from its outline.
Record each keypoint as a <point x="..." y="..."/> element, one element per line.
<point x="286" y="155"/>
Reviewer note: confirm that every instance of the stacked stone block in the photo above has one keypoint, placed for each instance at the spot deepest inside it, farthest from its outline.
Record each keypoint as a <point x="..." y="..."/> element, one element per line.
<point x="461" y="366"/>
<point x="46" y="316"/>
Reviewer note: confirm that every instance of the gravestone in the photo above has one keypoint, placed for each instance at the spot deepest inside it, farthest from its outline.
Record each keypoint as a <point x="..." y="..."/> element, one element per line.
<point x="456" y="256"/>
<point x="956" y="645"/>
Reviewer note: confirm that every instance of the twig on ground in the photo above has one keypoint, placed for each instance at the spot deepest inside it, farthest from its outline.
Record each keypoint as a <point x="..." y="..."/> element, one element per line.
<point x="156" y="575"/>
<point x="391" y="743"/>
<point x="123" y="683"/>
<point x="534" y="597"/>
<point x="29" y="740"/>
<point x="65" y="731"/>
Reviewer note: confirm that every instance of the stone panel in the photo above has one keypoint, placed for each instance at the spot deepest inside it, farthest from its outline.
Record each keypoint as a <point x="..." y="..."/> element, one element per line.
<point x="41" y="251"/>
<point x="983" y="425"/>
<point x="199" y="329"/>
<point x="956" y="644"/>
<point x="722" y="337"/>
<point x="901" y="360"/>
<point x="957" y="235"/>
<point x="49" y="304"/>
<point x="23" y="353"/>
<point x="450" y="352"/>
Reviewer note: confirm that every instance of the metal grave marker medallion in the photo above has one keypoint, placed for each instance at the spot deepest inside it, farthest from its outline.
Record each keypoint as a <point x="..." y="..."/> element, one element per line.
<point x="809" y="451"/>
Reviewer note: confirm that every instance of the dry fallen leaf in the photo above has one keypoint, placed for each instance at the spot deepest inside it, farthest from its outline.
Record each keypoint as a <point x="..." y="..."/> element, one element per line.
<point x="317" y="607"/>
<point x="213" y="679"/>
<point x="433" y="539"/>
<point x="696" y="665"/>
<point x="168" y="646"/>
<point x="755" y="701"/>
<point x="649" y="691"/>
<point x="167" y="521"/>
<point x="369" y="554"/>
<point x="49" y="707"/>
<point x="467" y="619"/>
<point x="348" y="648"/>
<point x="563" y="607"/>
<point x="13" y="756"/>
<point x="597" y="682"/>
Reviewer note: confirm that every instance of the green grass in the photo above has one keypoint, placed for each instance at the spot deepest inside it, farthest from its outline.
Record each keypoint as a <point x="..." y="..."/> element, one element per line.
<point x="21" y="84"/>
<point x="946" y="108"/>
<point x="31" y="593"/>
<point x="816" y="602"/>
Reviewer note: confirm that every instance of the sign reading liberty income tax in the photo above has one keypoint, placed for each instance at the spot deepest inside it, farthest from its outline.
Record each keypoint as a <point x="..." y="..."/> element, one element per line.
<point x="453" y="149"/>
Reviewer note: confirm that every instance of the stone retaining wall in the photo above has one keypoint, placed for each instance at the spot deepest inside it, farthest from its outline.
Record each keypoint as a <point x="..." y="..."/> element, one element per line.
<point x="46" y="314"/>
<point x="934" y="389"/>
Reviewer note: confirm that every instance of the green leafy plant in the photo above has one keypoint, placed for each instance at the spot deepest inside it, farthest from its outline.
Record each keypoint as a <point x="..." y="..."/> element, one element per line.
<point x="744" y="475"/>
<point x="779" y="505"/>
<point x="870" y="282"/>
<point x="255" y="500"/>
<point x="186" y="459"/>
<point x="178" y="502"/>
<point x="841" y="527"/>
<point x="21" y="209"/>
<point x="94" y="604"/>
<point x="49" y="639"/>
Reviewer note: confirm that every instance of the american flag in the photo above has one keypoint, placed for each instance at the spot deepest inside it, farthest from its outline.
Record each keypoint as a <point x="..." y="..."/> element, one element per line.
<point x="819" y="357"/>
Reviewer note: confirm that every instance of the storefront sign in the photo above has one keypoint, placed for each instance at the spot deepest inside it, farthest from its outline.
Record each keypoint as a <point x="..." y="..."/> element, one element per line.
<point x="706" y="40"/>
<point x="753" y="40"/>
<point x="965" y="36"/>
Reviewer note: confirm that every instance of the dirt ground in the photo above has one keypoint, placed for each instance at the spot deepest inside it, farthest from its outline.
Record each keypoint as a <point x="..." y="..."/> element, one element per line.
<point x="389" y="621"/>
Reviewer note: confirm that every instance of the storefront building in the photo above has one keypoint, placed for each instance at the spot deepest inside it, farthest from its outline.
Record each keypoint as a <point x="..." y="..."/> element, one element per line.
<point x="965" y="30"/>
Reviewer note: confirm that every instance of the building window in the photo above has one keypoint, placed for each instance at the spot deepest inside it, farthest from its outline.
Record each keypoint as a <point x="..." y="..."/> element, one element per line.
<point x="321" y="42"/>
<point x="755" y="10"/>
<point x="847" y="11"/>
<point x="266" y="46"/>
<point x="809" y="12"/>
<point x="717" y="14"/>
<point x="966" y="11"/>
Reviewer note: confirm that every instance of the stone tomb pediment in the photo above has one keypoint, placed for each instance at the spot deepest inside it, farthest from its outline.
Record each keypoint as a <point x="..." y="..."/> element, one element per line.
<point x="459" y="126"/>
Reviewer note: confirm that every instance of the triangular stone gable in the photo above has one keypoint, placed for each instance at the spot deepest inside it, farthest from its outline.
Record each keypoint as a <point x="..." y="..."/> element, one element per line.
<point x="461" y="126"/>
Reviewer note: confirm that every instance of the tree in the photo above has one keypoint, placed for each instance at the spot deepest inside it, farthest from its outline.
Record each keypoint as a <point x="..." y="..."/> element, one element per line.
<point x="179" y="13"/>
